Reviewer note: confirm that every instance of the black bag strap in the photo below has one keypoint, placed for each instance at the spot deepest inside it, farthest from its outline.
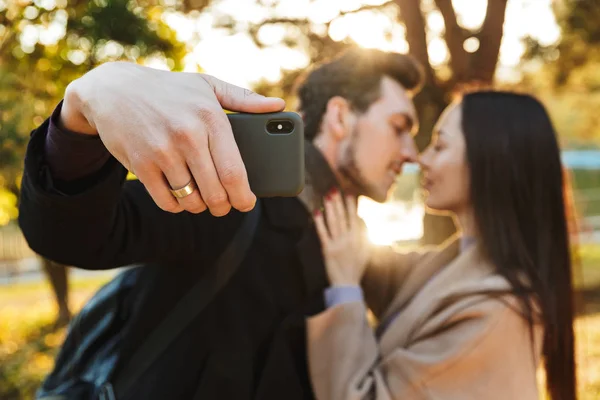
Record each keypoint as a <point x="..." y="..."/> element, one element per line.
<point x="187" y="309"/>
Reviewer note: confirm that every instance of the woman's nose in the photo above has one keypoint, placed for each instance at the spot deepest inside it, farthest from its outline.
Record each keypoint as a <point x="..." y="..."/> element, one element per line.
<point x="423" y="159"/>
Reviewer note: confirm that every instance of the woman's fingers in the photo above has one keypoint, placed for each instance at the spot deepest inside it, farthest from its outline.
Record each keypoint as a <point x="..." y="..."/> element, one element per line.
<point x="341" y="233"/>
<point x="341" y="219"/>
<point x="341" y="214"/>
<point x="321" y="229"/>
<point x="330" y="217"/>
<point x="352" y="212"/>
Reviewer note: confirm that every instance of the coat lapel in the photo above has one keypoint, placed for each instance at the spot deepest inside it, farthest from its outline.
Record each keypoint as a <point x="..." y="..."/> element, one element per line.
<point x="461" y="275"/>
<point x="422" y="272"/>
<point x="320" y="180"/>
<point x="294" y="215"/>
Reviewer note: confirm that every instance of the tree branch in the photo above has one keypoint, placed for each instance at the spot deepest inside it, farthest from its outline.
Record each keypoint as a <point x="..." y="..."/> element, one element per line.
<point x="278" y="20"/>
<point x="194" y="5"/>
<point x="366" y="8"/>
<point x="412" y="16"/>
<point x="485" y="59"/>
<point x="5" y="42"/>
<point x="455" y="37"/>
<point x="253" y="30"/>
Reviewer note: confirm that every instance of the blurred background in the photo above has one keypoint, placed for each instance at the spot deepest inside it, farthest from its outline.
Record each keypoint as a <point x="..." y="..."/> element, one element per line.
<point x="548" y="48"/>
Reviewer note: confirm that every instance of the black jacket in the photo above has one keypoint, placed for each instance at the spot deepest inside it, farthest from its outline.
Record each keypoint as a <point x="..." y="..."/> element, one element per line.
<point x="249" y="341"/>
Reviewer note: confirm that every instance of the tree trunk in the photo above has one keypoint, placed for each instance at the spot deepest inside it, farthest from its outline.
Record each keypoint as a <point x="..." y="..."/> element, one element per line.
<point x="429" y="103"/>
<point x="485" y="59"/>
<point x="58" y="276"/>
<point x="467" y="68"/>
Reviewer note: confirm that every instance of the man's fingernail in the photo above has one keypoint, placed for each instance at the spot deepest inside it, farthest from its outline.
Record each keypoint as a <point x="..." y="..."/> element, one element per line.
<point x="317" y="213"/>
<point x="249" y="208"/>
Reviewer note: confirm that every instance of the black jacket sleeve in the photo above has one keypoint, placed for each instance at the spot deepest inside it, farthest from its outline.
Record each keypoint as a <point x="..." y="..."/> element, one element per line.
<point x="104" y="221"/>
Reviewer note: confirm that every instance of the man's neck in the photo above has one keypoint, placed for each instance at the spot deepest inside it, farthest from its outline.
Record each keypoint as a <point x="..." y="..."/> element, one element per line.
<point x="320" y="178"/>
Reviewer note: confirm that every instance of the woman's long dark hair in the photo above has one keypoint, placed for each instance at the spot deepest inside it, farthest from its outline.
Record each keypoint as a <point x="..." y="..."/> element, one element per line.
<point x="519" y="205"/>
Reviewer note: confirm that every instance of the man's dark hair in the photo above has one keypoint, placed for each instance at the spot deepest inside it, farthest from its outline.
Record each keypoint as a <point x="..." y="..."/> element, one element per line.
<point x="356" y="76"/>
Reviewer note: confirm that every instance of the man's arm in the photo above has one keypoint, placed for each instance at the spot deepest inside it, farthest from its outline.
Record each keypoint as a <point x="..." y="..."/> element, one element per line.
<point x="99" y="221"/>
<point x="72" y="156"/>
<point x="165" y="127"/>
<point x="169" y="129"/>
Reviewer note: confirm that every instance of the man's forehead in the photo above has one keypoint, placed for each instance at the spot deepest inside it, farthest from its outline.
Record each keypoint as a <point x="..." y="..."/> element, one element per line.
<point x="397" y="99"/>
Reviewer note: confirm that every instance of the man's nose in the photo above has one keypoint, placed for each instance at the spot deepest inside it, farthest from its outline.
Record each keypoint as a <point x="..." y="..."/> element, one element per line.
<point x="409" y="150"/>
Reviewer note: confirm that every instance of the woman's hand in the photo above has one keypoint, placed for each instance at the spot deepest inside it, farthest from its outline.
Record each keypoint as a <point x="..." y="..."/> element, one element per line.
<point x="344" y="243"/>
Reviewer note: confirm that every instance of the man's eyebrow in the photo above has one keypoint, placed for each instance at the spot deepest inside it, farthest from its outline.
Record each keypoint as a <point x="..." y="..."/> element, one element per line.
<point x="406" y="119"/>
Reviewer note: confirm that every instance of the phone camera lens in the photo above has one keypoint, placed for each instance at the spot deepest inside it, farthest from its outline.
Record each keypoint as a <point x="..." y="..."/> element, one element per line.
<point x="280" y="127"/>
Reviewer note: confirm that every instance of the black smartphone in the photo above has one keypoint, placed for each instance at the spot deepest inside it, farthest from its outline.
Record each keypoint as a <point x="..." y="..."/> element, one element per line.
<point x="272" y="148"/>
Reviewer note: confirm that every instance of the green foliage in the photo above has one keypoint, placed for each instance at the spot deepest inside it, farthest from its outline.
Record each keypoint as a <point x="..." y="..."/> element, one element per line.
<point x="575" y="115"/>
<point x="575" y="59"/>
<point x="8" y="206"/>
<point x="44" y="45"/>
<point x="43" y="49"/>
<point x="580" y="42"/>
<point x="586" y="184"/>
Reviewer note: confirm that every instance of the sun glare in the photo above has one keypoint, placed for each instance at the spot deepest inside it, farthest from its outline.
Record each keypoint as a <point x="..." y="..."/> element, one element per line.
<point x="391" y="222"/>
<point x="236" y="59"/>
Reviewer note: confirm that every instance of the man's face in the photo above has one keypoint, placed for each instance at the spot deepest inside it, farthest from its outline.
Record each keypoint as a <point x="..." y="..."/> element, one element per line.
<point x="380" y="142"/>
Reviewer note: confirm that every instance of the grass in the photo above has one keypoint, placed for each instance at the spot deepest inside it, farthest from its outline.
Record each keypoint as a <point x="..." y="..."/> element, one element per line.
<point x="21" y="291"/>
<point x="28" y="344"/>
<point x="588" y="356"/>
<point x="589" y="274"/>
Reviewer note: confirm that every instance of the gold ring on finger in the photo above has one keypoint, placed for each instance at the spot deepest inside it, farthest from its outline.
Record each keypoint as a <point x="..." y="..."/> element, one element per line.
<point x="185" y="190"/>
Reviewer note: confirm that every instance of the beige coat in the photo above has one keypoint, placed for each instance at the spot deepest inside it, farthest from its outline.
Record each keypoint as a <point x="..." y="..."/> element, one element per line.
<point x="447" y="342"/>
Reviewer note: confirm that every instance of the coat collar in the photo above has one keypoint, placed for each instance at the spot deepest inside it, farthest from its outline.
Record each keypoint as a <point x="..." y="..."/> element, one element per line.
<point x="294" y="215"/>
<point x="319" y="180"/>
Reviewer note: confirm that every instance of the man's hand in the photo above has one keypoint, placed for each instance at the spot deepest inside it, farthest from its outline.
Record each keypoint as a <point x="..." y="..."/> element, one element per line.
<point x="168" y="128"/>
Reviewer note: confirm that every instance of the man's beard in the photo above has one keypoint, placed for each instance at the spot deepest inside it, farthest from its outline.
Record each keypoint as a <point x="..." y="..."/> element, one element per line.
<point x="351" y="173"/>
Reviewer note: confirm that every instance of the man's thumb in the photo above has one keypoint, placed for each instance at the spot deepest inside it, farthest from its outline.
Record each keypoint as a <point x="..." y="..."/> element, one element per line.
<point x="235" y="98"/>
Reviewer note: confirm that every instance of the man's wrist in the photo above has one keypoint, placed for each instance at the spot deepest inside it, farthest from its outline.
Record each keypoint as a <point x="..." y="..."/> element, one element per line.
<point x="72" y="116"/>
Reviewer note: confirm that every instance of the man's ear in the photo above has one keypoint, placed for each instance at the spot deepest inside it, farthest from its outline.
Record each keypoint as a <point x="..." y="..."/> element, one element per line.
<point x="338" y="118"/>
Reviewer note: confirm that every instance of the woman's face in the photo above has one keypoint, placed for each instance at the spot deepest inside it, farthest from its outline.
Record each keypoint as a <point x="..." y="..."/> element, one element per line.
<point x="444" y="165"/>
